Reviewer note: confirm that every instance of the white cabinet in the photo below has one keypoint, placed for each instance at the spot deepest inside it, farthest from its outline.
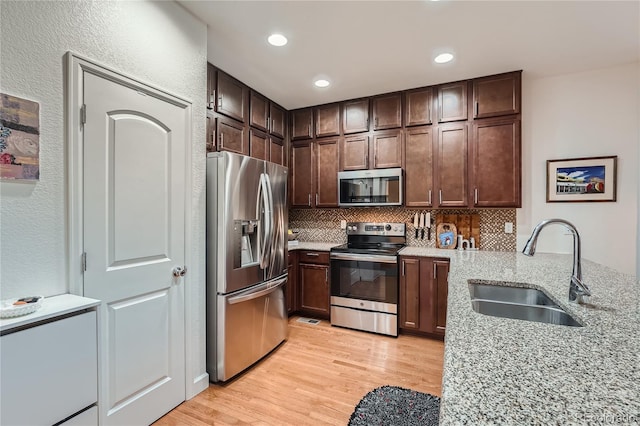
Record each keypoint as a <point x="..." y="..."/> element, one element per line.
<point x="48" y="371"/>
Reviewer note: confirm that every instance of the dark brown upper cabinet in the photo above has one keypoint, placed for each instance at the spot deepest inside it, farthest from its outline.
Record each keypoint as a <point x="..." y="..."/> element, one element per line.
<point x="451" y="165"/>
<point x="418" y="105"/>
<point x="495" y="162"/>
<point x="302" y="174"/>
<point x="231" y="136"/>
<point x="258" y="111"/>
<point x="387" y="111"/>
<point x="301" y="124"/>
<point x="327" y="160"/>
<point x="452" y="102"/>
<point x="278" y="117"/>
<point x="387" y="149"/>
<point x="327" y="120"/>
<point x="354" y="153"/>
<point x="276" y="151"/>
<point x="355" y="116"/>
<point x="496" y="95"/>
<point x="259" y="145"/>
<point x="418" y="167"/>
<point x="231" y="97"/>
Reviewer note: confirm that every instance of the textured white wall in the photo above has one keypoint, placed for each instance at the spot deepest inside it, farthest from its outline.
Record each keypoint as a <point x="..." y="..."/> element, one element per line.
<point x="156" y="42"/>
<point x="588" y="114"/>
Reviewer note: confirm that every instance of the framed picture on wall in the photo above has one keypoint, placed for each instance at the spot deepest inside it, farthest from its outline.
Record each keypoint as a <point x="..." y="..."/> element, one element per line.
<point x="581" y="179"/>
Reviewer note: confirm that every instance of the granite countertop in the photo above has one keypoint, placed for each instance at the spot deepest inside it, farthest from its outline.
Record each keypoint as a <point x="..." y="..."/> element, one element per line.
<point x="506" y="371"/>
<point x="308" y="245"/>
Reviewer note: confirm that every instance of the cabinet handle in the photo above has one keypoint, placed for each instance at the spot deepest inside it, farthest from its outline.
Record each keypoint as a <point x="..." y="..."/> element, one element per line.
<point x="220" y="101"/>
<point x="221" y="139"/>
<point x="440" y="195"/>
<point x="309" y="130"/>
<point x="212" y="99"/>
<point x="429" y="114"/>
<point x="326" y="275"/>
<point x="429" y="197"/>
<point x="376" y="125"/>
<point x="316" y="198"/>
<point x="312" y="254"/>
<point x="367" y="123"/>
<point x="403" y="268"/>
<point x="273" y="124"/>
<point x="476" y="108"/>
<point x="476" y="196"/>
<point x="309" y="199"/>
<point x="434" y="272"/>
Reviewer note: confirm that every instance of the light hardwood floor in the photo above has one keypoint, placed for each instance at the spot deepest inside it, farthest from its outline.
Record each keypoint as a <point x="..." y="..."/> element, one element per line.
<point x="316" y="377"/>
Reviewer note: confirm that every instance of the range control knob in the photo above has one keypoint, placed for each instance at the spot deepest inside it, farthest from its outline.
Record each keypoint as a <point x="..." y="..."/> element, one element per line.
<point x="388" y="227"/>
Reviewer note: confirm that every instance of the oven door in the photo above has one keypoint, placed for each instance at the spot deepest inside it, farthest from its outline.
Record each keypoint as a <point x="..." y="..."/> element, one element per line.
<point x="364" y="281"/>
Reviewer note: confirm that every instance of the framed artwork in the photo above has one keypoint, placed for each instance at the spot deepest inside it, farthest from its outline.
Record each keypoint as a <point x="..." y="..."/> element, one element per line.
<point x="19" y="138"/>
<point x="581" y="179"/>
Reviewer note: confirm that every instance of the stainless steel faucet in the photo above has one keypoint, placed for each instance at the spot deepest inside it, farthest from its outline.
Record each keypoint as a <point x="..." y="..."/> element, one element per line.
<point x="577" y="289"/>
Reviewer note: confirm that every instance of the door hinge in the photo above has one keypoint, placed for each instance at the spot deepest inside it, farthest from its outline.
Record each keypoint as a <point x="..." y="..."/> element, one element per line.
<point x="83" y="261"/>
<point x="83" y="114"/>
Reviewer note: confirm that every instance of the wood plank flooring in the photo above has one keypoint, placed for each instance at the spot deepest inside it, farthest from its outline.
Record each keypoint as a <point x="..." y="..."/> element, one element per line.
<point x="316" y="377"/>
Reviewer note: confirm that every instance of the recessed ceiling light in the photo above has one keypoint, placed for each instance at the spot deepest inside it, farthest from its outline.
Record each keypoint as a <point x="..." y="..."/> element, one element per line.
<point x="443" y="58"/>
<point x="277" y="39"/>
<point x="322" y="83"/>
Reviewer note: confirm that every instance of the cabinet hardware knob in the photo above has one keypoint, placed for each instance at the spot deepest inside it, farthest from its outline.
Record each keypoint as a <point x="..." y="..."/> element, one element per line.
<point x="179" y="271"/>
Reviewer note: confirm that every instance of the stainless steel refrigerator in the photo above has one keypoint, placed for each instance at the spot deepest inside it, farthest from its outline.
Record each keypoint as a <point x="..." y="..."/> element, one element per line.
<point x="246" y="261"/>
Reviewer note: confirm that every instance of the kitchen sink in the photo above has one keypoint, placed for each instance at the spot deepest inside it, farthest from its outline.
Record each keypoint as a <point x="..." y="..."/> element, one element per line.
<point x="521" y="303"/>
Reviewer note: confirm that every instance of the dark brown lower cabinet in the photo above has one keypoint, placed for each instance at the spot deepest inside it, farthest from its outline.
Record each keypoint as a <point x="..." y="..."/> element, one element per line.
<point x="313" y="284"/>
<point x="291" y="287"/>
<point x="423" y="294"/>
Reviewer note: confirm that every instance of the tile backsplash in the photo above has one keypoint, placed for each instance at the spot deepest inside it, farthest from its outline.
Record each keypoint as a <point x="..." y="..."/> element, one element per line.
<point x="323" y="225"/>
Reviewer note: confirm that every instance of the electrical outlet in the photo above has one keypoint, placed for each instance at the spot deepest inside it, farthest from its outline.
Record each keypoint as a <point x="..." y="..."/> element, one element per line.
<point x="343" y="224"/>
<point x="508" y="227"/>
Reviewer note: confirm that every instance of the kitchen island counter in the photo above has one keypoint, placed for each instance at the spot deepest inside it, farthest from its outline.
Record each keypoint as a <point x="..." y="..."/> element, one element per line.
<point x="507" y="371"/>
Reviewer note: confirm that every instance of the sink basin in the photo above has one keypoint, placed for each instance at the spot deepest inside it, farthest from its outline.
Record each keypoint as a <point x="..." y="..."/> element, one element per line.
<point x="520" y="303"/>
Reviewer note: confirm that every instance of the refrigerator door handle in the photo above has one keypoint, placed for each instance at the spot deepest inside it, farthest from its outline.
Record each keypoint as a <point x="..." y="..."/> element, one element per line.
<point x="263" y="214"/>
<point x="265" y="289"/>
<point x="273" y="225"/>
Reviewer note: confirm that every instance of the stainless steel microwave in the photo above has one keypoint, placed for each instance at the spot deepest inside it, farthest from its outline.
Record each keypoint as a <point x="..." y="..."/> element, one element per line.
<point x="365" y="188"/>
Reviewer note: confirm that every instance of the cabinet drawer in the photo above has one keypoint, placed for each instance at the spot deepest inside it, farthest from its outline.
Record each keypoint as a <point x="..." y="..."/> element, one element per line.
<point x="49" y="372"/>
<point x="317" y="257"/>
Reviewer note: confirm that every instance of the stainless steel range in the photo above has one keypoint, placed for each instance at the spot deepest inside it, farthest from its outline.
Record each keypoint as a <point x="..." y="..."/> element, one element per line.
<point x="364" y="277"/>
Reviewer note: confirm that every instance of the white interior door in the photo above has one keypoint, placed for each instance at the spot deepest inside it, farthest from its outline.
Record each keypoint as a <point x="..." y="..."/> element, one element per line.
<point x="134" y="213"/>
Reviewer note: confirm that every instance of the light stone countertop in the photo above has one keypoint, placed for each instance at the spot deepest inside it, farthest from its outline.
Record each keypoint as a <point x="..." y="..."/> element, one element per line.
<point x="506" y="371"/>
<point x="302" y="245"/>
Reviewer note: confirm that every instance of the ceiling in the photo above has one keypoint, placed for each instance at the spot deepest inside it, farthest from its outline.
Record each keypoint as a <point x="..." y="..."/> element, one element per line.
<point x="370" y="47"/>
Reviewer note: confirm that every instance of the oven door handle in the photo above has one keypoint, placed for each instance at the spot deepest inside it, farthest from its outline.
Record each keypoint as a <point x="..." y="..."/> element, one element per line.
<point x="364" y="257"/>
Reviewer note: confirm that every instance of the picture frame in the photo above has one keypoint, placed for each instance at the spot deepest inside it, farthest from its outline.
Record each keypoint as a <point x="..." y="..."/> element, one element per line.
<point x="573" y="180"/>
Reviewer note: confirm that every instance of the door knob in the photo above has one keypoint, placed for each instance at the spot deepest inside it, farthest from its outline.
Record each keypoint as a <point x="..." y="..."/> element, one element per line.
<point x="179" y="271"/>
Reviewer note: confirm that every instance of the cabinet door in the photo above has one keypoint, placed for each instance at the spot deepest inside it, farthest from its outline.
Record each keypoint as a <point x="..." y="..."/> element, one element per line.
<point x="258" y="144"/>
<point x="439" y="294"/>
<point x="211" y="134"/>
<point x="387" y="149"/>
<point x="301" y="124"/>
<point x="328" y="120"/>
<point x="451" y="166"/>
<point x="387" y="111"/>
<point x="452" y="102"/>
<point x="409" y="302"/>
<point x="418" y="104"/>
<point x="356" y="116"/>
<point x="276" y="150"/>
<point x="231" y="136"/>
<point x="211" y="86"/>
<point x="495" y="158"/>
<point x="496" y="95"/>
<point x="292" y="283"/>
<point x="278" y="120"/>
<point x="355" y="153"/>
<point x="314" y="286"/>
<point x="301" y="174"/>
<point x="418" y="167"/>
<point x="232" y="97"/>
<point x="258" y="111"/>
<point x="327" y="173"/>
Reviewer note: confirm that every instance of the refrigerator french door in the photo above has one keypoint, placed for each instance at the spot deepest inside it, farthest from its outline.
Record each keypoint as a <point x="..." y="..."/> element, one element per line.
<point x="246" y="261"/>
